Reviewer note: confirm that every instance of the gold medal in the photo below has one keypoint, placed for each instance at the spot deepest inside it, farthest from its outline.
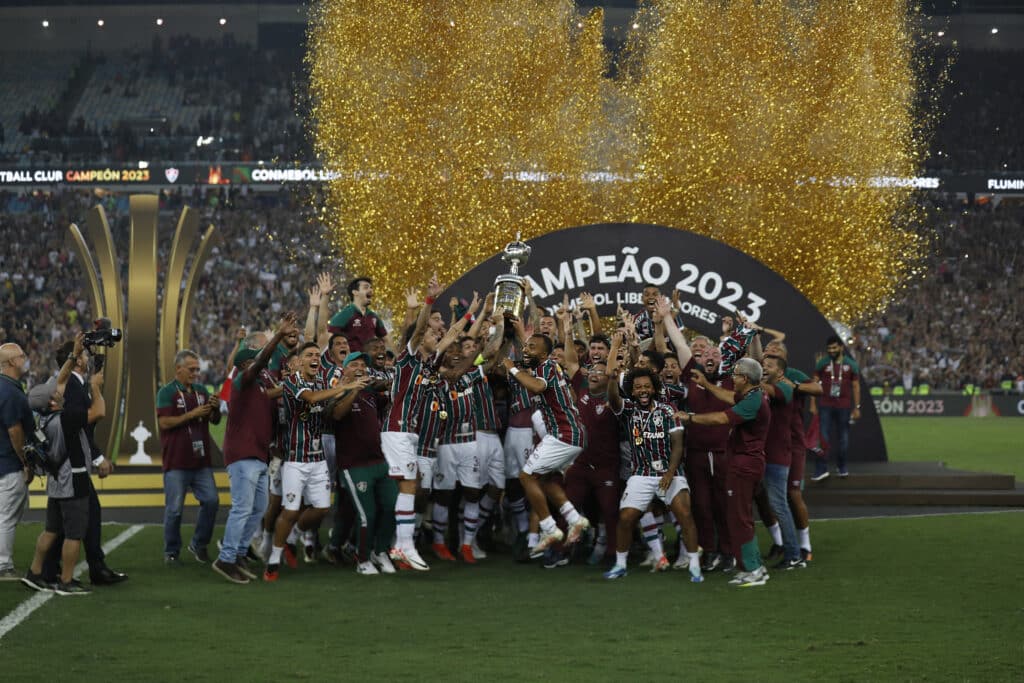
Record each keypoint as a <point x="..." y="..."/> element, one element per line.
<point x="638" y="441"/>
<point x="443" y="415"/>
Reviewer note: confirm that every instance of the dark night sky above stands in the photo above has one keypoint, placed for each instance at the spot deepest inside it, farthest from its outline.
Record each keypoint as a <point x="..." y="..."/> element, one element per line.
<point x="940" y="7"/>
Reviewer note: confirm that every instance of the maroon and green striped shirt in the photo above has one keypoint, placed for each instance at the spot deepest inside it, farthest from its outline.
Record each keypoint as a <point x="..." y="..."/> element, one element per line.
<point x="558" y="406"/>
<point x="458" y="421"/>
<point x="305" y="420"/>
<point x="653" y="429"/>
<point x="485" y="414"/>
<point x="408" y="391"/>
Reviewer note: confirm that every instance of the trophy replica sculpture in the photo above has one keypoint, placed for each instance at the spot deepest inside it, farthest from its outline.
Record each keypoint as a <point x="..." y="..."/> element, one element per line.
<point x="510" y="289"/>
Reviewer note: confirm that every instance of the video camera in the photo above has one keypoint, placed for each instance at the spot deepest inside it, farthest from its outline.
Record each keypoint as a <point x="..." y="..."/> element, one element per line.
<point x="38" y="455"/>
<point x="103" y="336"/>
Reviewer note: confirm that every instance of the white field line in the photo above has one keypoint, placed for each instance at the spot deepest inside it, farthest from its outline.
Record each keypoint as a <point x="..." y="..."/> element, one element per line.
<point x="26" y="608"/>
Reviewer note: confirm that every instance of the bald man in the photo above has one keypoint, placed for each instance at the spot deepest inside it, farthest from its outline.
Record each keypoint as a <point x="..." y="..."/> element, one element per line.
<point x="15" y="474"/>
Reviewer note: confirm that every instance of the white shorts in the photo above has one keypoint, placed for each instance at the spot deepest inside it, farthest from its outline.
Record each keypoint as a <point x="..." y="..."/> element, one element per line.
<point x="309" y="480"/>
<point x="274" y="472"/>
<point x="640" y="491"/>
<point x="400" y="452"/>
<point x="457" y="462"/>
<point x="517" y="447"/>
<point x="425" y="466"/>
<point x="551" y="455"/>
<point x="492" y="459"/>
<point x="538" y="424"/>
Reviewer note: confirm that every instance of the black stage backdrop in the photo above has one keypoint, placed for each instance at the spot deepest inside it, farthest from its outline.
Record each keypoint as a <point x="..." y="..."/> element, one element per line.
<point x="613" y="260"/>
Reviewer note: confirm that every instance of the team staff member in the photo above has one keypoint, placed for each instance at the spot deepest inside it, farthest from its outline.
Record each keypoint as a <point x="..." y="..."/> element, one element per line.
<point x="839" y="375"/>
<point x="749" y="418"/>
<point x="247" y="441"/>
<point x="184" y="414"/>
<point x="15" y="474"/>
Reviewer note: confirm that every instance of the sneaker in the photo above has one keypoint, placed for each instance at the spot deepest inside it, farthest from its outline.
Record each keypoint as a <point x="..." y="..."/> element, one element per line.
<point x="661" y="565"/>
<point x="229" y="571"/>
<point x="199" y="553"/>
<point x="806" y="555"/>
<point x="36" y="582"/>
<point x="245" y="568"/>
<point x="366" y="568"/>
<point x="252" y="556"/>
<point x="728" y="564"/>
<point x="466" y="552"/>
<point x="478" y="552"/>
<point x="758" y="577"/>
<point x="441" y="552"/>
<point x="331" y="554"/>
<point x="597" y="554"/>
<point x="309" y="554"/>
<point x="291" y="557"/>
<point x="72" y="587"/>
<point x="348" y="554"/>
<point x="411" y="558"/>
<point x="695" y="574"/>
<point x="712" y="561"/>
<point x="10" y="574"/>
<point x="554" y="558"/>
<point x="777" y="552"/>
<point x="740" y="578"/>
<point x="616" y="572"/>
<point x="791" y="564"/>
<point x="255" y="552"/>
<point x="382" y="563"/>
<point x="682" y="562"/>
<point x="843" y="473"/>
<point x="576" y="530"/>
<point x="547" y="539"/>
<point x="649" y="560"/>
<point x="172" y="560"/>
<point x="271" y="573"/>
<point x="820" y="470"/>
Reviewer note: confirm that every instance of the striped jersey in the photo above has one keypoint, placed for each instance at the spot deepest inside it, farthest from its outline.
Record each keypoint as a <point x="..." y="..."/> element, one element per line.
<point x="429" y="420"/>
<point x="458" y="416"/>
<point x="407" y="391"/>
<point x="304" y="420"/>
<point x="485" y="413"/>
<point x="558" y="406"/>
<point x="673" y="394"/>
<point x="648" y="433"/>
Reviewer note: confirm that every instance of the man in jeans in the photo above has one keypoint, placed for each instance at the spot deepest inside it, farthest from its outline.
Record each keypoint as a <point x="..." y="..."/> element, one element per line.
<point x="15" y="474"/>
<point x="184" y="412"/>
<point x="778" y="455"/>
<point x="839" y="403"/>
<point x="247" y="440"/>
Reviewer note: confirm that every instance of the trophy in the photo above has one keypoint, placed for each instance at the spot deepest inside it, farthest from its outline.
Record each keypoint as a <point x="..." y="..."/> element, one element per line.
<point x="510" y="289"/>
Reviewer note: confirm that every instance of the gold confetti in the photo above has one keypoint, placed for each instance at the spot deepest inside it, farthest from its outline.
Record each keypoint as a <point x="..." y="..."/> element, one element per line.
<point x="771" y="126"/>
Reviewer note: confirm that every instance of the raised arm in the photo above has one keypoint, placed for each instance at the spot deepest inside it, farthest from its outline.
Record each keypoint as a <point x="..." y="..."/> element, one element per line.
<point x="572" y="359"/>
<point x="433" y="289"/>
<point x="588" y="305"/>
<point x="285" y="327"/>
<point x="326" y="285"/>
<point x="726" y="395"/>
<point x="532" y="383"/>
<point x="614" y="397"/>
<point x="675" y="335"/>
<point x="312" y="315"/>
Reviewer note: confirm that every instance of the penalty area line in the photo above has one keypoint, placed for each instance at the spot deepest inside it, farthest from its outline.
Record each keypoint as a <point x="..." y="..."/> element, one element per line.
<point x="26" y="608"/>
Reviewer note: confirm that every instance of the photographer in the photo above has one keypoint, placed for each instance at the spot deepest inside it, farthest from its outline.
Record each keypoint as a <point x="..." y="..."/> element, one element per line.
<point x="81" y="394"/>
<point x="67" y="505"/>
<point x="15" y="474"/>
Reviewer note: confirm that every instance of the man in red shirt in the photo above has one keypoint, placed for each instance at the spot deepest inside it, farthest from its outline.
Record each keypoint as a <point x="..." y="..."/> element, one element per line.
<point x="749" y="418"/>
<point x="839" y="403"/>
<point x="247" y="440"/>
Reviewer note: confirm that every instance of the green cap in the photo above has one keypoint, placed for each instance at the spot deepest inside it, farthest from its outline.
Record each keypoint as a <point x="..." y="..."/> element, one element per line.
<point x="244" y="355"/>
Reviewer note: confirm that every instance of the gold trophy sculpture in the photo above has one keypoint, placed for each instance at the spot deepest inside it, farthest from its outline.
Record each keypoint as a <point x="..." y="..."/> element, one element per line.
<point x="510" y="289"/>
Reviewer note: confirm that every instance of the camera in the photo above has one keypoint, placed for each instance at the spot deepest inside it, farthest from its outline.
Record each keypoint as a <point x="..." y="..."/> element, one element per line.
<point x="38" y="456"/>
<point x="103" y="335"/>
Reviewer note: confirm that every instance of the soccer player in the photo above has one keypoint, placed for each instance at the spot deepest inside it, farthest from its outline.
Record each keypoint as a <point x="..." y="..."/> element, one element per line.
<point x="749" y="418"/>
<point x="657" y="453"/>
<point x="304" y="474"/>
<point x="414" y="369"/>
<point x="362" y="470"/>
<point x="357" y="321"/>
<point x="564" y="441"/>
<point x="839" y="375"/>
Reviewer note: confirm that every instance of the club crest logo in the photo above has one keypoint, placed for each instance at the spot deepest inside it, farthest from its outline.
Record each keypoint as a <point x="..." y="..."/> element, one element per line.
<point x="171" y="174"/>
<point x="290" y="497"/>
<point x="361" y="486"/>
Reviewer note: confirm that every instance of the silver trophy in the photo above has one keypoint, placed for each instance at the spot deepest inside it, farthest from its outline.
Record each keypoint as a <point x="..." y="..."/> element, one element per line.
<point x="510" y="289"/>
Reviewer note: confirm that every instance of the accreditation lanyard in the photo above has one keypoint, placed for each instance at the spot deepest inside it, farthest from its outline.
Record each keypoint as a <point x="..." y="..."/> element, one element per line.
<point x="836" y="386"/>
<point x="198" y="447"/>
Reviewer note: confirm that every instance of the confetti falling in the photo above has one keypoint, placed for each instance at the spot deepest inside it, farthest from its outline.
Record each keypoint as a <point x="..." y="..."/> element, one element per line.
<point x="766" y="125"/>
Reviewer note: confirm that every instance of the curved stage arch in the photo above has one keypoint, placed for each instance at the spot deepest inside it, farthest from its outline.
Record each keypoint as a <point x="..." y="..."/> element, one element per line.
<point x="612" y="260"/>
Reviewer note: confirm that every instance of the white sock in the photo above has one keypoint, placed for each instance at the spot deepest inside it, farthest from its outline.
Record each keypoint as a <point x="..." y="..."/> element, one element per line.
<point x="547" y="525"/>
<point x="621" y="558"/>
<point x="532" y="539"/>
<point x="660" y="521"/>
<point x="293" y="535"/>
<point x="776" y="532"/>
<point x="440" y="520"/>
<point x="569" y="513"/>
<point x="308" y="538"/>
<point x="649" y="527"/>
<point x="805" y="538"/>
<point x="275" y="554"/>
<point x="470" y="522"/>
<point x="486" y="508"/>
<point x="405" y="520"/>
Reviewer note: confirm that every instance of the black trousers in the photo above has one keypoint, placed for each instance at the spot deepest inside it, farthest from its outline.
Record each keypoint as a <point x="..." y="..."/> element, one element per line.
<point x="94" y="555"/>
